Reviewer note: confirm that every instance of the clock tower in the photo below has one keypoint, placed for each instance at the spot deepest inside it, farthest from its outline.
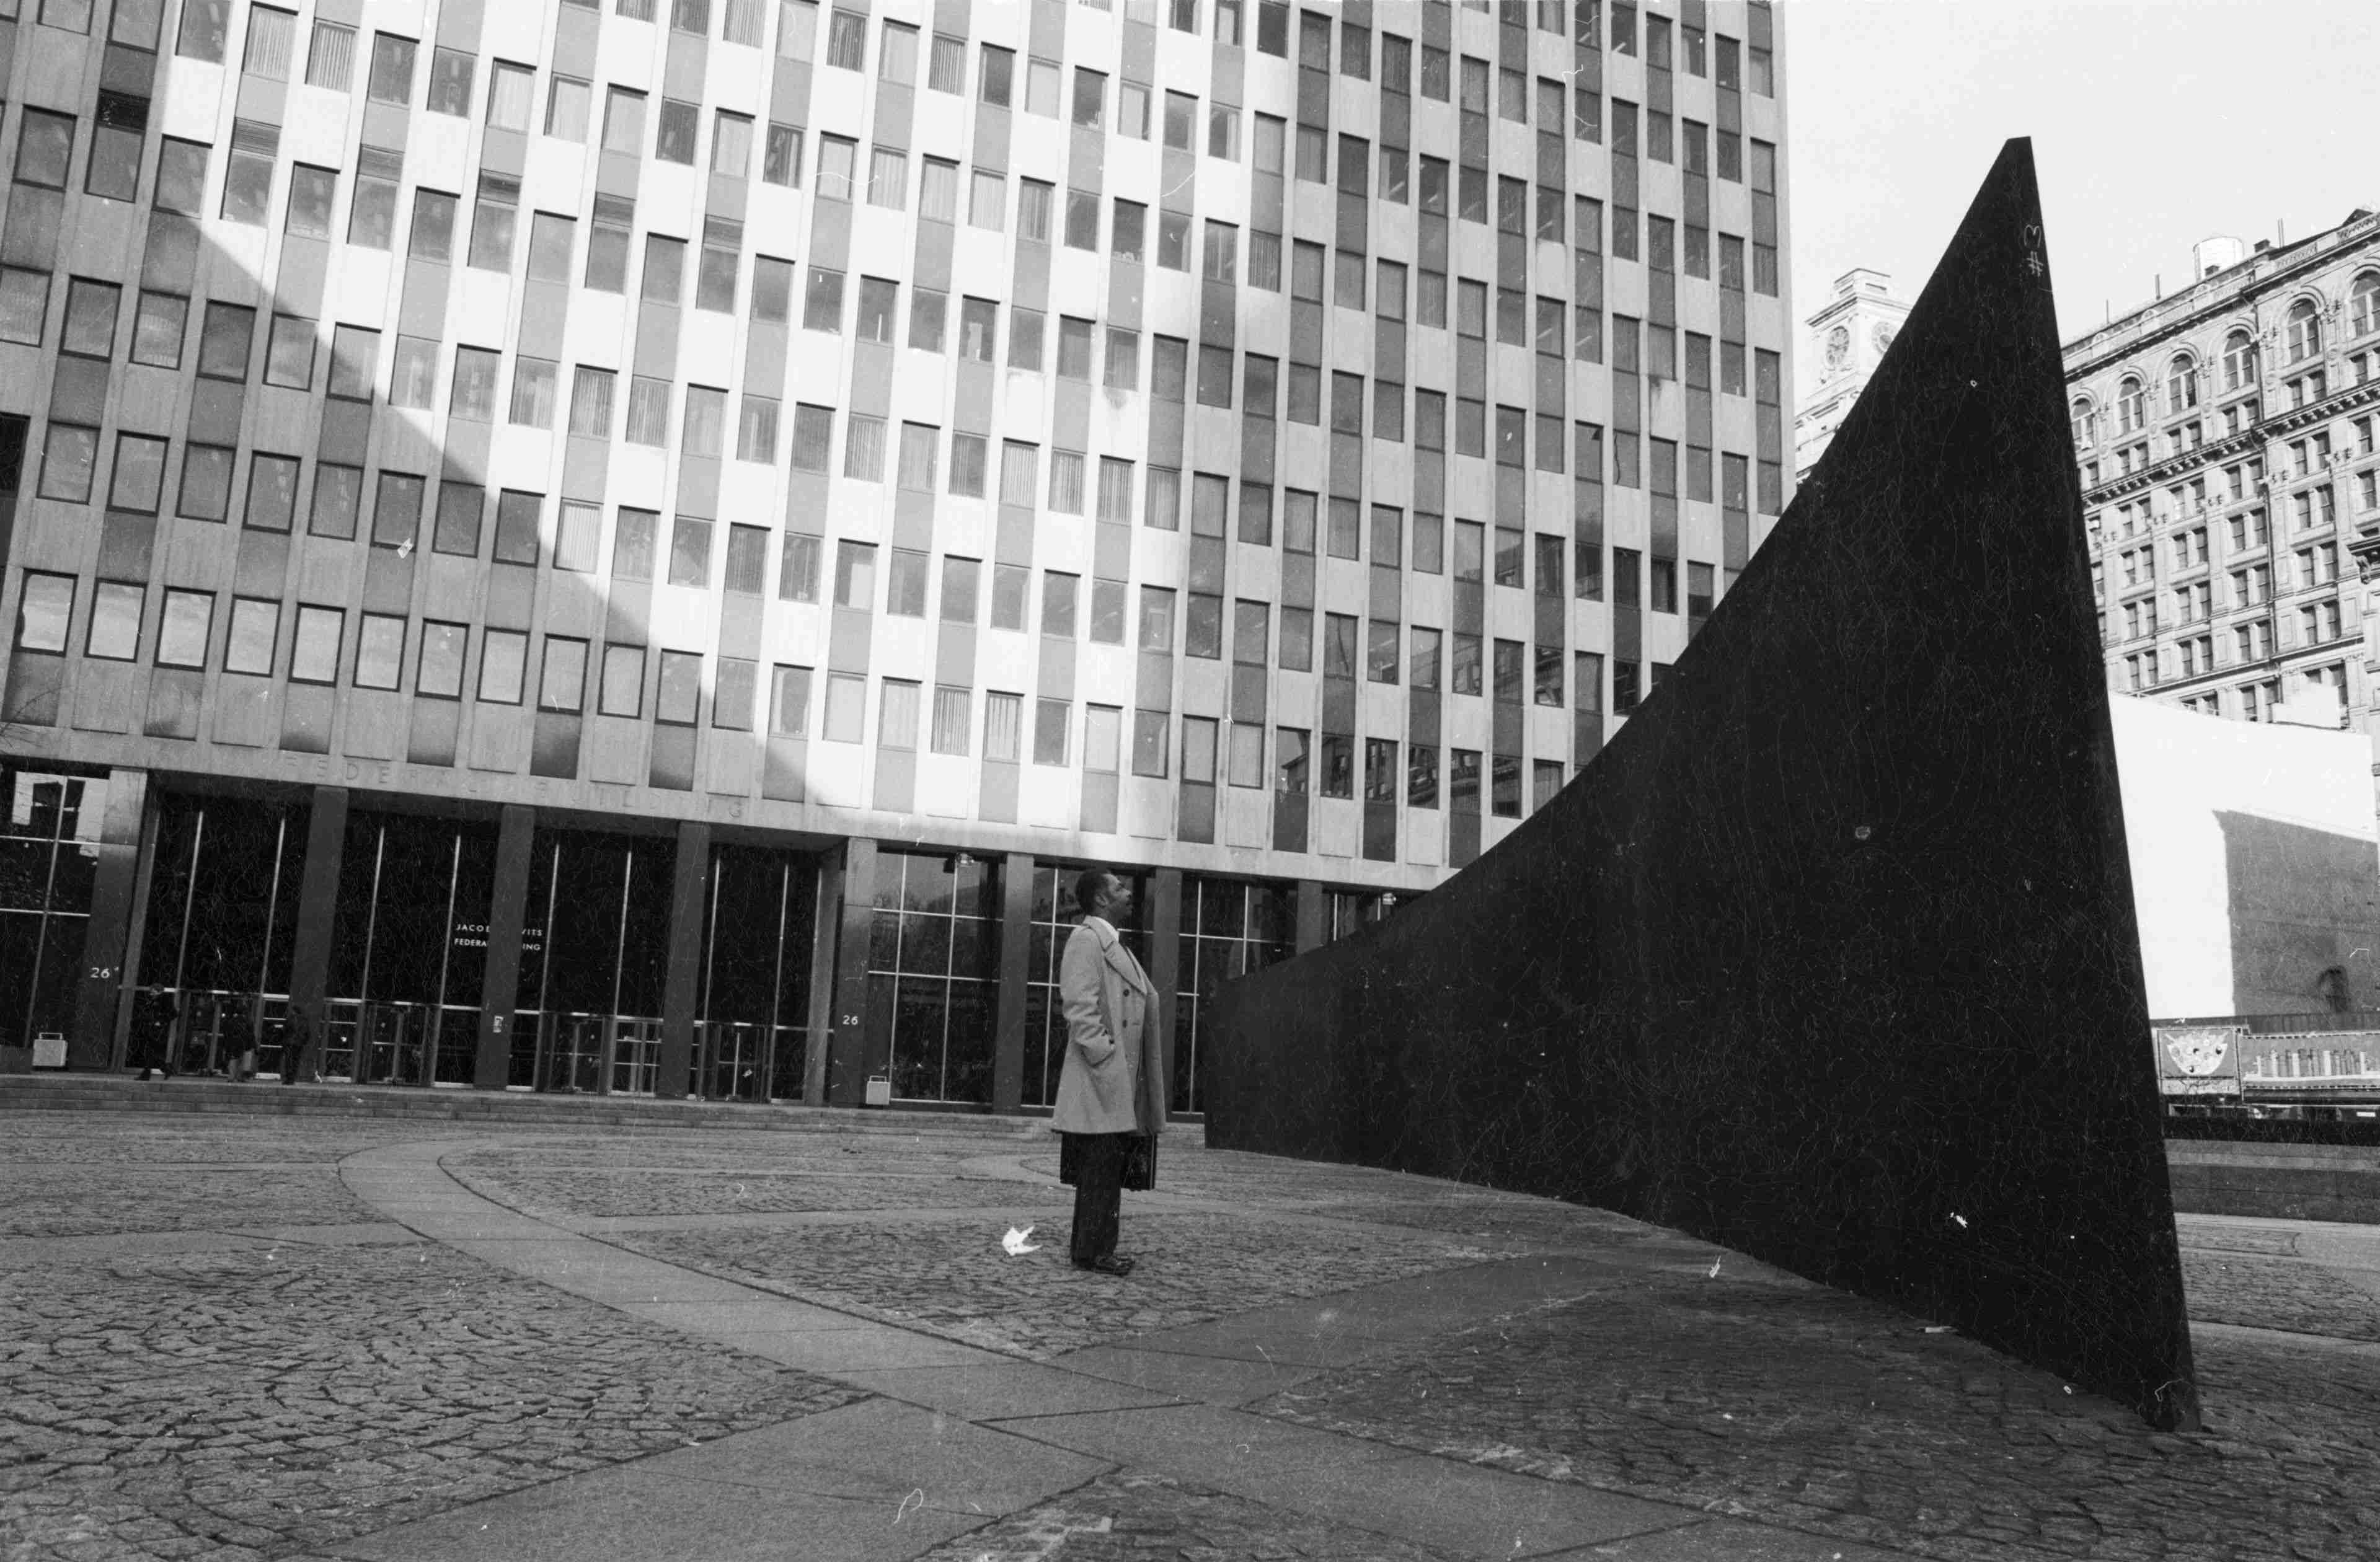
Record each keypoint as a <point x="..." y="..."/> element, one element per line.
<point x="1850" y="334"/>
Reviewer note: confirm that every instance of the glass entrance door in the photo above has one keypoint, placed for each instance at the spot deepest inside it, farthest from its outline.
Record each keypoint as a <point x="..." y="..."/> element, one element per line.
<point x="220" y="930"/>
<point x="594" y="952"/>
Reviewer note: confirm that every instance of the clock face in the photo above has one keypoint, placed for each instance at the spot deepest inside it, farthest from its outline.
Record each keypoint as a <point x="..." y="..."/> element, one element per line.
<point x="1839" y="347"/>
<point x="1884" y="334"/>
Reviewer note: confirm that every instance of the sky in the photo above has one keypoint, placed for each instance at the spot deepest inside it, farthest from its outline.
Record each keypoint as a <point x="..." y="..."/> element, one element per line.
<point x="2154" y="125"/>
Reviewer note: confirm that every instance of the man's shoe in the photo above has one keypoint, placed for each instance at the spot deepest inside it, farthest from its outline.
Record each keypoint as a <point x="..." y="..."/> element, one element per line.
<point x="1111" y="1264"/>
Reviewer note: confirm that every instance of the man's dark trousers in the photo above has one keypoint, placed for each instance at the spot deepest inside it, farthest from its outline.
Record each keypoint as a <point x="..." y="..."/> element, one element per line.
<point x="1099" y="1194"/>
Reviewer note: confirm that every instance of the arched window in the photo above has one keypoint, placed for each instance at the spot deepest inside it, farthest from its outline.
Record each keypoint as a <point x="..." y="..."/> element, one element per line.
<point x="2305" y="330"/>
<point x="2132" y="405"/>
<point x="2364" y="304"/>
<point x="2180" y="384"/>
<point x="2238" y="360"/>
<point x="2086" y="424"/>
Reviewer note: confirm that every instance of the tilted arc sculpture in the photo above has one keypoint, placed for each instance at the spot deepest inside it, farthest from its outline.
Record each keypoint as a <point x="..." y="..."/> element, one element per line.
<point x="1830" y="956"/>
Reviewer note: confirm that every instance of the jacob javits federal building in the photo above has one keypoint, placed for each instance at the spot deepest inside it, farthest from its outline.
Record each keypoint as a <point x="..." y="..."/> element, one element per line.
<point x="635" y="547"/>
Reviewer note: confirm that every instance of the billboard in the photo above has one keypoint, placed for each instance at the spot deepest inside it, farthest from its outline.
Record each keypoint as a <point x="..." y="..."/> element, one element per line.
<point x="2199" y="1059"/>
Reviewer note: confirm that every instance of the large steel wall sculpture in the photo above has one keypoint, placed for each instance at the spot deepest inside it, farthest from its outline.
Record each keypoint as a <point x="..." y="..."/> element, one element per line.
<point x="1829" y="957"/>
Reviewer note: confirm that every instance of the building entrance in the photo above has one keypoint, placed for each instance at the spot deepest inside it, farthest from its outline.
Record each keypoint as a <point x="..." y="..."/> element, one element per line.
<point x="759" y="933"/>
<point x="220" y="929"/>
<point x="594" y="962"/>
<point x="406" y="950"/>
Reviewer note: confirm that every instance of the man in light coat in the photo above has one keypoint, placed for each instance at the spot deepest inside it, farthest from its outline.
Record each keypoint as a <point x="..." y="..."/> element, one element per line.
<point x="1111" y="1088"/>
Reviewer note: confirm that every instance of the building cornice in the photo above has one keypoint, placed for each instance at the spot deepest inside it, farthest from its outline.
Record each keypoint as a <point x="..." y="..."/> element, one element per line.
<point x="2114" y="343"/>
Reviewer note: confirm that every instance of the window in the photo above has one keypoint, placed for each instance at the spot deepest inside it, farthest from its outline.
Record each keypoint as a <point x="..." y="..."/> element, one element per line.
<point x="896" y="59"/>
<point x="623" y="121"/>
<point x="392" y="70"/>
<point x="255" y="636"/>
<point x="92" y="308"/>
<point x="887" y="177"/>
<point x="380" y="649"/>
<point x="998" y="73"/>
<point x="846" y="38"/>
<point x="2305" y="326"/>
<point x="946" y="68"/>
<point x="45" y="148"/>
<point x="780" y="157"/>
<point x="114" y="170"/>
<point x="561" y="686"/>
<point x="182" y="629"/>
<point x="450" y="82"/>
<point x="822" y="301"/>
<point x="877" y="306"/>
<point x="271" y="492"/>
<point x="139" y="478"/>
<point x="567" y="102"/>
<point x="115" y="630"/>
<point x="205" y="24"/>
<point x="158" y="323"/>
<point x="2238" y="360"/>
<point x="1090" y="98"/>
<point x="314" y="651"/>
<point x="504" y="658"/>
<point x="1025" y="339"/>
<point x="863" y="449"/>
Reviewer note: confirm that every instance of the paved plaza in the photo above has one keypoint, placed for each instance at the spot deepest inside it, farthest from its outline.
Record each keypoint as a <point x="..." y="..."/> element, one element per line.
<point x="373" y="1338"/>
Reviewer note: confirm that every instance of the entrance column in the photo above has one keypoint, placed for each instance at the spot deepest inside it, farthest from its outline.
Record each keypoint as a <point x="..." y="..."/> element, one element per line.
<point x="673" y="1077"/>
<point x="854" y="1050"/>
<point x="1313" y="915"/>
<point x="826" y="936"/>
<point x="1164" y="924"/>
<point x="1016" y="975"/>
<point x="92" y="1043"/>
<point x="318" y="904"/>
<point x="500" y="987"/>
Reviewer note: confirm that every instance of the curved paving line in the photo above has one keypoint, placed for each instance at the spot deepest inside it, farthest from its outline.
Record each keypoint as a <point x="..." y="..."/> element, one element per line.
<point x="408" y="1184"/>
<point x="990" y="1434"/>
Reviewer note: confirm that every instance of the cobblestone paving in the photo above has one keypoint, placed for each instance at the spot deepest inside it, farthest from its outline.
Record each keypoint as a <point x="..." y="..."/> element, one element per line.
<point x="241" y="1402"/>
<point x="1790" y="1404"/>
<point x="1187" y="1168"/>
<point x="1127" y="1516"/>
<point x="183" y="1396"/>
<point x="66" y="1174"/>
<point x="108" y="1200"/>
<point x="2281" y="1293"/>
<point x="607" y="1191"/>
<point x="724" y="1150"/>
<point x="953" y="1277"/>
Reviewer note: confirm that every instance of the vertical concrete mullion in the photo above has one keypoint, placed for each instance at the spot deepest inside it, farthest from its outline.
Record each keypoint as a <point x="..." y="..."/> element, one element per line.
<point x="1164" y="967"/>
<point x="1313" y="917"/>
<point x="99" y="995"/>
<point x="684" y="985"/>
<point x="853" y="1049"/>
<point x="136" y="941"/>
<point x="826" y="938"/>
<point x="318" y="903"/>
<point x="1016" y="973"/>
<point x="508" y="908"/>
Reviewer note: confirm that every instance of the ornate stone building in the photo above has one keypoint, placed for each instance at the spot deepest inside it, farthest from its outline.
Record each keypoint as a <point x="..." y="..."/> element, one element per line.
<point x="1848" y="336"/>
<point x="2230" y="441"/>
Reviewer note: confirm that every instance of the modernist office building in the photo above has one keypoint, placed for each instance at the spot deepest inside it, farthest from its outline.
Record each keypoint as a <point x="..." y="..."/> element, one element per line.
<point x="637" y="546"/>
<point x="2230" y="437"/>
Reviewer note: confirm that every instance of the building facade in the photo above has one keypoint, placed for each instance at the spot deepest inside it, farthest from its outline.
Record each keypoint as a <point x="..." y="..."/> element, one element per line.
<point x="1850" y="332"/>
<point x="636" y="547"/>
<point x="2227" y="437"/>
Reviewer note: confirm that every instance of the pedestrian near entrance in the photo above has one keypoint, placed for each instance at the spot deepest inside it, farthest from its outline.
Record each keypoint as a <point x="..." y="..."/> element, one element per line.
<point x="1111" y="1088"/>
